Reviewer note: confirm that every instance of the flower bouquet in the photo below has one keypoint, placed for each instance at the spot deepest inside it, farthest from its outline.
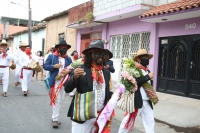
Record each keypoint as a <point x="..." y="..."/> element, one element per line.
<point x="128" y="75"/>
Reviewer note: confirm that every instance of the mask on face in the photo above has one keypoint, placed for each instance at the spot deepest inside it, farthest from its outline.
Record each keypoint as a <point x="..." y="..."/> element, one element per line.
<point x="144" y="62"/>
<point x="28" y="51"/>
<point x="76" y="56"/>
<point x="97" y="56"/>
<point x="62" y="51"/>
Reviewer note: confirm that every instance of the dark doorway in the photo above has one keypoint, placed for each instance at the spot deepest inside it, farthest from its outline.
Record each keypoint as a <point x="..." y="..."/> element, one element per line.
<point x="179" y="66"/>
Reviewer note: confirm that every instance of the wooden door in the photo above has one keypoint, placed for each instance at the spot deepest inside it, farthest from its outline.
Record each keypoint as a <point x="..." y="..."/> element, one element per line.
<point x="84" y="45"/>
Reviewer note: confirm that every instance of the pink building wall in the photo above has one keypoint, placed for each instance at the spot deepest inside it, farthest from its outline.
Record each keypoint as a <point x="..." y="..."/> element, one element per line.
<point x="11" y="29"/>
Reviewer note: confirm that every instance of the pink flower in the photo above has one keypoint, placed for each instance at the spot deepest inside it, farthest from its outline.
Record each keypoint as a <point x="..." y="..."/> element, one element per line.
<point x="130" y="78"/>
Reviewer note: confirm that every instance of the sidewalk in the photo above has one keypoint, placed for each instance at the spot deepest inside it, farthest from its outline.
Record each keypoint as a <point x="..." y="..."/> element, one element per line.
<point x="170" y="113"/>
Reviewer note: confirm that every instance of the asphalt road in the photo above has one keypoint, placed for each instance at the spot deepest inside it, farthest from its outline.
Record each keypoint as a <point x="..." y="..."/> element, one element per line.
<point x="32" y="114"/>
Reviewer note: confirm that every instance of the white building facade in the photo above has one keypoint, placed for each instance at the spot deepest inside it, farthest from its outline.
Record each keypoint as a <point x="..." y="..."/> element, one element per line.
<point x="38" y="36"/>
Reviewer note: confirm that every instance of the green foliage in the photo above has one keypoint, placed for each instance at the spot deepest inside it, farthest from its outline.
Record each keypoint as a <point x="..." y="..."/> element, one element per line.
<point x="89" y="17"/>
<point x="76" y="63"/>
<point x="129" y="86"/>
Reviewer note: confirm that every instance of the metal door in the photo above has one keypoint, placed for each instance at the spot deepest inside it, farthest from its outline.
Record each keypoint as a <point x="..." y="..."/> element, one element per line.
<point x="179" y="66"/>
<point x="194" y="70"/>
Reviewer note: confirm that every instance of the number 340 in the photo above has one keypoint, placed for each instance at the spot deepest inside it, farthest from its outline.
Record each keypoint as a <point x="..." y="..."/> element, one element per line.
<point x="190" y="26"/>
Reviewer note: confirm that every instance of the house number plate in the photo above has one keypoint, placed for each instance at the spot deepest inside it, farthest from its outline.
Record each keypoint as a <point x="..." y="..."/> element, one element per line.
<point x="190" y="26"/>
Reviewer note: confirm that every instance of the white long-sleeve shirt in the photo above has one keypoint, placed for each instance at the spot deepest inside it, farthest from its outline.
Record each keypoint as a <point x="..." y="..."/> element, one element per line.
<point x="24" y="59"/>
<point x="17" y="54"/>
<point x="6" y="61"/>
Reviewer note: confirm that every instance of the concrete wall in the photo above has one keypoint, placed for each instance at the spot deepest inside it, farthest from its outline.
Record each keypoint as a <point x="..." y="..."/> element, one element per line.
<point x="36" y="40"/>
<point x="57" y="26"/>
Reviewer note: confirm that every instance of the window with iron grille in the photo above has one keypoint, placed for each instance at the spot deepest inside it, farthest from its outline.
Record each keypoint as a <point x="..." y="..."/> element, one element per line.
<point x="128" y="44"/>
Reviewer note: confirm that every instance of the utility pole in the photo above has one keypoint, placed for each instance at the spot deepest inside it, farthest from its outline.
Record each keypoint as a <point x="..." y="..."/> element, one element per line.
<point x="29" y="24"/>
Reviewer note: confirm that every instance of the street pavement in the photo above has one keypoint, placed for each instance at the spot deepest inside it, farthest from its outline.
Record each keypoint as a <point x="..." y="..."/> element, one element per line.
<point x="32" y="114"/>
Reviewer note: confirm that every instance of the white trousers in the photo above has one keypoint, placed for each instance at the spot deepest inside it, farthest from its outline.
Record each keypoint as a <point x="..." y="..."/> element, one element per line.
<point x="58" y="101"/>
<point x="147" y="115"/>
<point x="86" y="127"/>
<point x="26" y="80"/>
<point x="18" y="73"/>
<point x="4" y="75"/>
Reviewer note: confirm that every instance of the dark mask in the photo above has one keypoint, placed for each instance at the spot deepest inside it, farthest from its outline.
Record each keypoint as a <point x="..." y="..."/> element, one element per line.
<point x="144" y="62"/>
<point x="97" y="55"/>
<point x="62" y="51"/>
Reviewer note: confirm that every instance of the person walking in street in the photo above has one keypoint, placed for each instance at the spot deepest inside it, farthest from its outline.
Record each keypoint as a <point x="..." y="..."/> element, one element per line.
<point x="5" y="58"/>
<point x="74" y="54"/>
<point x="41" y="63"/>
<point x="89" y="77"/>
<point x="142" y="103"/>
<point x="26" y="73"/>
<point x="56" y="64"/>
<point x="18" y="69"/>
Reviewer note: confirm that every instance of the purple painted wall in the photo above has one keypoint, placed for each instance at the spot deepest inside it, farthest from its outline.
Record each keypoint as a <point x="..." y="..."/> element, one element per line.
<point x="177" y="28"/>
<point x="134" y="25"/>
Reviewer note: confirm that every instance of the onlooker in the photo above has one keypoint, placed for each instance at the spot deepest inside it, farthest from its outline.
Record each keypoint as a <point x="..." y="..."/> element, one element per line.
<point x="41" y="63"/>
<point x="109" y="63"/>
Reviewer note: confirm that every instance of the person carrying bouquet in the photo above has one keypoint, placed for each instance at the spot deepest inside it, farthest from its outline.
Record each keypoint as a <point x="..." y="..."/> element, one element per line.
<point x="142" y="103"/>
<point x="56" y="64"/>
<point x="87" y="78"/>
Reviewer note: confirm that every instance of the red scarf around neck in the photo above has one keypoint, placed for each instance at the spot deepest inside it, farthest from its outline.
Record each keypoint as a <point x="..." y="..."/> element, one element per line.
<point x="4" y="55"/>
<point x="97" y="74"/>
<point x="57" y="54"/>
<point x="142" y="67"/>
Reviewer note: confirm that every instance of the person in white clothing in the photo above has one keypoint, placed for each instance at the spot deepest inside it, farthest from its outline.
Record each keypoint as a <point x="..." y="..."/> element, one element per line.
<point x="41" y="63"/>
<point x="143" y="97"/>
<point x="18" y="69"/>
<point x="5" y="58"/>
<point x="26" y="73"/>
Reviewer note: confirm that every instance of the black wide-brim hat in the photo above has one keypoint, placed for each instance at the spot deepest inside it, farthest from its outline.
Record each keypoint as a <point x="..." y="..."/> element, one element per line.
<point x="109" y="53"/>
<point x="95" y="44"/>
<point x="63" y="43"/>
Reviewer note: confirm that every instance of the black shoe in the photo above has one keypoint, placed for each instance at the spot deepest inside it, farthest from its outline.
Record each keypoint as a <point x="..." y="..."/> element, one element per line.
<point x="55" y="124"/>
<point x="59" y="123"/>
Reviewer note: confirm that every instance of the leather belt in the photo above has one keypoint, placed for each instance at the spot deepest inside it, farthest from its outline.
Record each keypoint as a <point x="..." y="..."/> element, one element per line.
<point x="27" y="68"/>
<point x="3" y="66"/>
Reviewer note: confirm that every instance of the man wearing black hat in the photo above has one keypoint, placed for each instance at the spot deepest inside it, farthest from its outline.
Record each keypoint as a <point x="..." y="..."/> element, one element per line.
<point x="91" y="76"/>
<point x="56" y="64"/>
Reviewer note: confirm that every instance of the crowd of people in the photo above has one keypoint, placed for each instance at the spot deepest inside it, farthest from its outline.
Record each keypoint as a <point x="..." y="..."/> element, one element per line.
<point x="90" y="84"/>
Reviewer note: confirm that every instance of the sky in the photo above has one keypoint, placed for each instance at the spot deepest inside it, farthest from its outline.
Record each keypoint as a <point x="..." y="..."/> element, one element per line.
<point x="40" y="8"/>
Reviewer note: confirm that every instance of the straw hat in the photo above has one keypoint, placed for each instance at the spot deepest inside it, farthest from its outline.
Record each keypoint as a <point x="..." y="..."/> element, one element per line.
<point x="142" y="52"/>
<point x="4" y="42"/>
<point x="22" y="45"/>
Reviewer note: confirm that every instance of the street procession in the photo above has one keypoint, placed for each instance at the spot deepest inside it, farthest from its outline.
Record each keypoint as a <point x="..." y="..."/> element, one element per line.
<point x="100" y="66"/>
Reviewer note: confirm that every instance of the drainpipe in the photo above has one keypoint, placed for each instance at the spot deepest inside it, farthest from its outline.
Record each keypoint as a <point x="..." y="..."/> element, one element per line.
<point x="107" y="32"/>
<point x="156" y="54"/>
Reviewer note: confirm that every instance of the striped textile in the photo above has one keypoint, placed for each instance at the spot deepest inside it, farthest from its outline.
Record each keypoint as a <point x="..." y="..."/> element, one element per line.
<point x="85" y="106"/>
